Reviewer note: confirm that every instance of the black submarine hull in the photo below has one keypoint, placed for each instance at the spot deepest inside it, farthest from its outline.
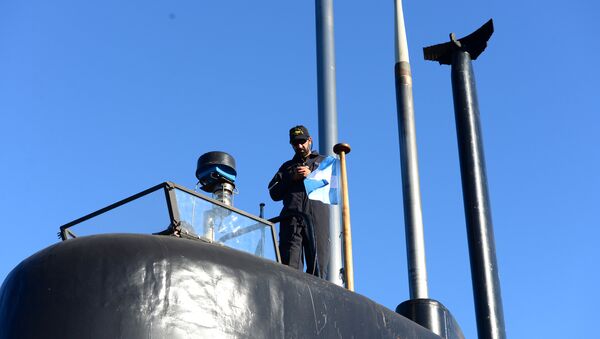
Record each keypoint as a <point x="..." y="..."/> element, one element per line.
<point x="144" y="286"/>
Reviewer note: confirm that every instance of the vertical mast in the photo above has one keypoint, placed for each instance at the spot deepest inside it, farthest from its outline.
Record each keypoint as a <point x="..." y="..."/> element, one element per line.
<point x="342" y="150"/>
<point x="328" y="133"/>
<point x="478" y="216"/>
<point x="413" y="218"/>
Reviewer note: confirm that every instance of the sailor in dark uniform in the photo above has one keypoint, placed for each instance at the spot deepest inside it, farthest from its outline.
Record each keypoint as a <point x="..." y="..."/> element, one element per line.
<point x="302" y="219"/>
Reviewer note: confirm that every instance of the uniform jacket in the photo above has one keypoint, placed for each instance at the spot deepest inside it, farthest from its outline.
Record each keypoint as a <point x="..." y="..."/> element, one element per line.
<point x="293" y="194"/>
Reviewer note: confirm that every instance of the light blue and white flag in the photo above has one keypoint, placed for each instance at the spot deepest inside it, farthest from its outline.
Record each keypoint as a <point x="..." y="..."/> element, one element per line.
<point x="323" y="183"/>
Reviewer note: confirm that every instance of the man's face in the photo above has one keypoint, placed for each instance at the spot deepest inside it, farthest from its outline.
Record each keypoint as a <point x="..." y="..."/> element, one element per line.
<point x="302" y="148"/>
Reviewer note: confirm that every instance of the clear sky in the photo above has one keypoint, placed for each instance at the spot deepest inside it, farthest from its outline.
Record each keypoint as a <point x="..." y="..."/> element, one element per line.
<point x="102" y="99"/>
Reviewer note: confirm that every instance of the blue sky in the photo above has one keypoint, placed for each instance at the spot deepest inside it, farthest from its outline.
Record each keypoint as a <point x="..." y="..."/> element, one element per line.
<point x="102" y="99"/>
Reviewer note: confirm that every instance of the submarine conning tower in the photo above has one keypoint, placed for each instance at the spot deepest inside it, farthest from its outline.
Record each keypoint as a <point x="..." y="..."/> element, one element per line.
<point x="149" y="286"/>
<point x="214" y="272"/>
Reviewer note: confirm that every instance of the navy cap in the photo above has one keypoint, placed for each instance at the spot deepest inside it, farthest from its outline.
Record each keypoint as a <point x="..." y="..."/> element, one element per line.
<point x="299" y="133"/>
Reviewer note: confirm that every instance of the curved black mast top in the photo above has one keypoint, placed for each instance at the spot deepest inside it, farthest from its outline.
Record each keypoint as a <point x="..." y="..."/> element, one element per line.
<point x="482" y="249"/>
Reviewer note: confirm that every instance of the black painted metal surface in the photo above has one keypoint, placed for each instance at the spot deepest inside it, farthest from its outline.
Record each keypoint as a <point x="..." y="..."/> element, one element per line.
<point x="433" y="315"/>
<point x="143" y="286"/>
<point x="215" y="158"/>
<point x="480" y="233"/>
<point x="474" y="44"/>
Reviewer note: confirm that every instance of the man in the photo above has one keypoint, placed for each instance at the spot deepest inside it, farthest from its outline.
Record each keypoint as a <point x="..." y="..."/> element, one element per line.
<point x="299" y="213"/>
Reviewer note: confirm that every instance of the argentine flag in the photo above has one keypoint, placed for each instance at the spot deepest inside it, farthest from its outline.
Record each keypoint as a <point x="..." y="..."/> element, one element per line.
<point x="323" y="183"/>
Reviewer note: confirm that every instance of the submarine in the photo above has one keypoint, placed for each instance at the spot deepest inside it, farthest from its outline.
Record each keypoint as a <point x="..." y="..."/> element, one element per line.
<point x="214" y="272"/>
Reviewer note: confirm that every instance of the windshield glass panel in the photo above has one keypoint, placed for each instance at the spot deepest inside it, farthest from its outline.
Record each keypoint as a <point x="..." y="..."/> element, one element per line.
<point x="224" y="226"/>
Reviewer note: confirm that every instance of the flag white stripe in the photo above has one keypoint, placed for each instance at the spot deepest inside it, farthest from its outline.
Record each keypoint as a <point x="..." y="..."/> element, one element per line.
<point x="322" y="183"/>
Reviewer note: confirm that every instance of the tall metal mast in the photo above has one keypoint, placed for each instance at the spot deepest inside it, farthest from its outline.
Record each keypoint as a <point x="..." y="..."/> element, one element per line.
<point x="482" y="249"/>
<point x="428" y="313"/>
<point x="328" y="132"/>
<point x="413" y="217"/>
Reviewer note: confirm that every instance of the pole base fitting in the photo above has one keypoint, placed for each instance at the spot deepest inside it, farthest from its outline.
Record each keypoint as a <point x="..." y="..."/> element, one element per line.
<point x="432" y="315"/>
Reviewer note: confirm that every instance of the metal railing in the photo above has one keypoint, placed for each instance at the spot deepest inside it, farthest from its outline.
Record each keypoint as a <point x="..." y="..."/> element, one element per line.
<point x="180" y="228"/>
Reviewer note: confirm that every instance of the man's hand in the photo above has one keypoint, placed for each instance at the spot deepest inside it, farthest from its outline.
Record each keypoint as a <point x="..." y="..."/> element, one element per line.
<point x="301" y="172"/>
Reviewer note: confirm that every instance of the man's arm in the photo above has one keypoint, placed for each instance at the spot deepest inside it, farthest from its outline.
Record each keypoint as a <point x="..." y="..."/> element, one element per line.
<point x="284" y="178"/>
<point x="279" y="185"/>
<point x="276" y="187"/>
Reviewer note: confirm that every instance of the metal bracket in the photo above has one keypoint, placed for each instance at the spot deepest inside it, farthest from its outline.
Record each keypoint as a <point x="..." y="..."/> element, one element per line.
<point x="474" y="44"/>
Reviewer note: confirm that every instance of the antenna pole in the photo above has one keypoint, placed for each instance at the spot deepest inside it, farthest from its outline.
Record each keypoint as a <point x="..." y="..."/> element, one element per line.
<point x="413" y="217"/>
<point x="328" y="133"/>
<point x="342" y="150"/>
<point x="478" y="216"/>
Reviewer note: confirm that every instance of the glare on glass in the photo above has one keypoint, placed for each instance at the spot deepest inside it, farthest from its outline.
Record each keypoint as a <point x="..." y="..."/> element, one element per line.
<point x="221" y="225"/>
